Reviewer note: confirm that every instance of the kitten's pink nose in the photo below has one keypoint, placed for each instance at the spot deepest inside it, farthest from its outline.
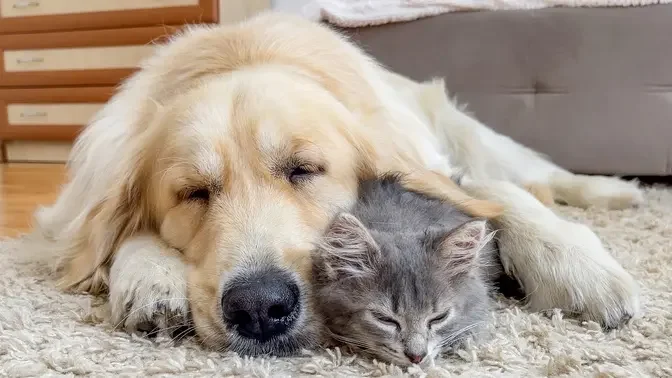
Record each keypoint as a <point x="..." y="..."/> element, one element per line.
<point x="414" y="357"/>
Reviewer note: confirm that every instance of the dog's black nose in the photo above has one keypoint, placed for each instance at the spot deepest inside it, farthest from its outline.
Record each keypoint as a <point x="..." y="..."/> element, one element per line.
<point x="262" y="305"/>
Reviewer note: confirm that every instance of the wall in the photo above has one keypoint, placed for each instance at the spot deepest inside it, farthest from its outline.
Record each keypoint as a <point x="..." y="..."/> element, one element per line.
<point x="297" y="7"/>
<point x="236" y="10"/>
<point x="289" y="5"/>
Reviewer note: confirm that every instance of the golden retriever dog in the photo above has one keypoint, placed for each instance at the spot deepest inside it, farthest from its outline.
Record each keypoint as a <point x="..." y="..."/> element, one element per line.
<point x="199" y="190"/>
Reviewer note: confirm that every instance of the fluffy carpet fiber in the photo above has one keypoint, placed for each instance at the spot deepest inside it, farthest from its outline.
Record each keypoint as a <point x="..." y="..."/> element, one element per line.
<point x="47" y="333"/>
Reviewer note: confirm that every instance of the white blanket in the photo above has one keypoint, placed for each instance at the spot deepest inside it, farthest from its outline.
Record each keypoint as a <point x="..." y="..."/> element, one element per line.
<point x="356" y="13"/>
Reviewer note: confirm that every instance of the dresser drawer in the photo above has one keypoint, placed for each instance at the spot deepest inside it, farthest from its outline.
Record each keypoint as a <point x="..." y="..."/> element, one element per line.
<point x="30" y="151"/>
<point x="18" y="16"/>
<point x="99" y="57"/>
<point x="62" y="114"/>
<point x="75" y="59"/>
<point x="49" y="113"/>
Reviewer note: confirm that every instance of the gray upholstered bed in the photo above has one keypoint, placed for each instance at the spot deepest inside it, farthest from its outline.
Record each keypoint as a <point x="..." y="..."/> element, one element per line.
<point x="591" y="88"/>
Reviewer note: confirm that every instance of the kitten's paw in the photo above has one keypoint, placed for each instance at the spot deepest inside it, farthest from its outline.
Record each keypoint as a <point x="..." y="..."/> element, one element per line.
<point x="148" y="288"/>
<point x="599" y="191"/>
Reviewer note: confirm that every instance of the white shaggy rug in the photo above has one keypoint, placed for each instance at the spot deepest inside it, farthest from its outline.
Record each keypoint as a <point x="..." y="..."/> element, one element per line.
<point x="46" y="333"/>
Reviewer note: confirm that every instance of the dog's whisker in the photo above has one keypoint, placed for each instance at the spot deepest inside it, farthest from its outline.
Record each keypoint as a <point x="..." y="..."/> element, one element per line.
<point x="148" y="305"/>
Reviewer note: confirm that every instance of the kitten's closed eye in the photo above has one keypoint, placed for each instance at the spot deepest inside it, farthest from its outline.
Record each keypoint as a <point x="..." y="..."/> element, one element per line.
<point x="435" y="321"/>
<point x="386" y="320"/>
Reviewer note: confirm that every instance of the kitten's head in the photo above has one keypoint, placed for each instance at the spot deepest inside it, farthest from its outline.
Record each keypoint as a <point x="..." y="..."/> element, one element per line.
<point x="400" y="297"/>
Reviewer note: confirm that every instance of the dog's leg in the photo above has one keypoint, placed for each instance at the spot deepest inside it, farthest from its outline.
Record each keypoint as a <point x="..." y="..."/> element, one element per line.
<point x="560" y="264"/>
<point x="147" y="288"/>
<point x="600" y="191"/>
<point x="482" y="153"/>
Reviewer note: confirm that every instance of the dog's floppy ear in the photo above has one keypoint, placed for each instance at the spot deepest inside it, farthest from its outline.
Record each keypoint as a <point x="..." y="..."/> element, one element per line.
<point x="120" y="213"/>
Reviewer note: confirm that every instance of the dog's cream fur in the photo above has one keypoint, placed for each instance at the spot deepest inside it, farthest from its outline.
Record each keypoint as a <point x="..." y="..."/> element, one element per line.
<point x="544" y="252"/>
<point x="229" y="110"/>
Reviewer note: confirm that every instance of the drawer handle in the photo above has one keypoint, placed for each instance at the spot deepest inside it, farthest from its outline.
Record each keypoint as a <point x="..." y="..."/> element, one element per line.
<point x="35" y="59"/>
<point x="26" y="4"/>
<point x="33" y="114"/>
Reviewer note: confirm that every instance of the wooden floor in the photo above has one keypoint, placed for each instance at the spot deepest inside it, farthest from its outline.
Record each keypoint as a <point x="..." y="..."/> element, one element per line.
<point x="23" y="187"/>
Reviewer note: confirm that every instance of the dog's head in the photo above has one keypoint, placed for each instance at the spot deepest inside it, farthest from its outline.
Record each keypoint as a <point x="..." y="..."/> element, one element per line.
<point x="246" y="142"/>
<point x="244" y="181"/>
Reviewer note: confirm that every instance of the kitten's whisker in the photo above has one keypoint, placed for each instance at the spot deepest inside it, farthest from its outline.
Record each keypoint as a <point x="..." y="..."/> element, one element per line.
<point x="453" y="336"/>
<point x="370" y="350"/>
<point x="354" y="343"/>
<point x="348" y="340"/>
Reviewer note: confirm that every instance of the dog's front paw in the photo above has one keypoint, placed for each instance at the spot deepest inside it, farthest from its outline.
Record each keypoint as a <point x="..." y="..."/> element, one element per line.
<point x="559" y="263"/>
<point x="148" y="290"/>
<point x="606" y="296"/>
<point x="585" y="280"/>
<point x="611" y="299"/>
<point x="604" y="291"/>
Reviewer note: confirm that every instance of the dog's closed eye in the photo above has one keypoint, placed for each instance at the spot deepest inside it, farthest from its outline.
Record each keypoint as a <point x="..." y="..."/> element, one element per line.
<point x="303" y="172"/>
<point x="195" y="194"/>
<point x="298" y="173"/>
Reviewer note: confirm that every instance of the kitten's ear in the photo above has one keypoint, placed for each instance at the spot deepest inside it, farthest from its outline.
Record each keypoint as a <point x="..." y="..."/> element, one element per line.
<point x="460" y="247"/>
<point x="347" y="248"/>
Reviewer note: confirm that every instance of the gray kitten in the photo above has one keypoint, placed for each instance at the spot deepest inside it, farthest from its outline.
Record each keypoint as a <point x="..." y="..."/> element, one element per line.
<point x="404" y="276"/>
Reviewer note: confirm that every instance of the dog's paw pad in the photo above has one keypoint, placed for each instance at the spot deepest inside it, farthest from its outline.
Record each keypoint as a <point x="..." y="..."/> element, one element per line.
<point x="148" y="329"/>
<point x="149" y="314"/>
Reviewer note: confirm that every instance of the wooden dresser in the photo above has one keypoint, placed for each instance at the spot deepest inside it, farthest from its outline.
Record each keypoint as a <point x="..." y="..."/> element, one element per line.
<point x="60" y="61"/>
